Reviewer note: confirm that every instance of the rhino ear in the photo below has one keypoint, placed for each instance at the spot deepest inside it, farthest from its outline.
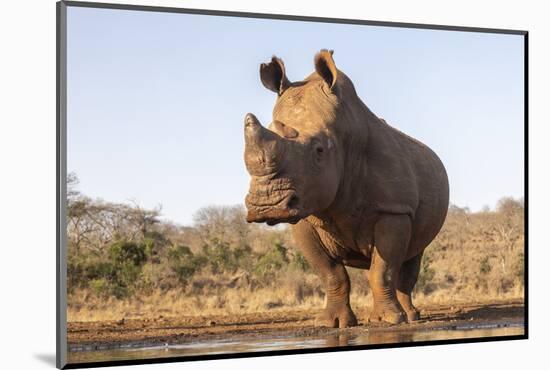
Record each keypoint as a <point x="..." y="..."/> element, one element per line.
<point x="326" y="68"/>
<point x="273" y="75"/>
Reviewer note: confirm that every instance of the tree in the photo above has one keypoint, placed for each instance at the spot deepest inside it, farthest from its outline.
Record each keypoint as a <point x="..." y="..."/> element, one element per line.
<point x="225" y="223"/>
<point x="72" y="184"/>
<point x="144" y="218"/>
<point x="510" y="225"/>
<point x="80" y="227"/>
<point x="509" y="205"/>
<point x="463" y="212"/>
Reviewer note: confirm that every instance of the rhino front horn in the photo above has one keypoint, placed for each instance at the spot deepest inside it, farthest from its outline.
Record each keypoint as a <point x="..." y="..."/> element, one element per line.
<point x="250" y="121"/>
<point x="260" y="147"/>
<point x="254" y="132"/>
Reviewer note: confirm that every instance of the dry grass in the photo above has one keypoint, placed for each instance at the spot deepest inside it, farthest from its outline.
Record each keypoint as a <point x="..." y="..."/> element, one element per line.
<point x="87" y="307"/>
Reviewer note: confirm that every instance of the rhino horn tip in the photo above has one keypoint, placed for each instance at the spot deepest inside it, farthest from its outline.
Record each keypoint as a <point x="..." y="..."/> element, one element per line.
<point x="250" y="120"/>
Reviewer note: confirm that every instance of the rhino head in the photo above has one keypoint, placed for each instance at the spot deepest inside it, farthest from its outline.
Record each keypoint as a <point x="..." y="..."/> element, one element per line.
<point x="294" y="163"/>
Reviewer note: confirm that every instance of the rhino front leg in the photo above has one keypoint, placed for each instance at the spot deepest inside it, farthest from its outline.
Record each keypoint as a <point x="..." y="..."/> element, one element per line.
<point x="391" y="240"/>
<point x="337" y="313"/>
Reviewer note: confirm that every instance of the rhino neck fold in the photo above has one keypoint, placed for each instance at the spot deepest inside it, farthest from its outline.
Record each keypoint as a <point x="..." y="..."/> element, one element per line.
<point x="353" y="134"/>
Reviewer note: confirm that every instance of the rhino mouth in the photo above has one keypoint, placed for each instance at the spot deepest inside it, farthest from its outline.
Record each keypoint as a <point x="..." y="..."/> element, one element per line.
<point x="279" y="207"/>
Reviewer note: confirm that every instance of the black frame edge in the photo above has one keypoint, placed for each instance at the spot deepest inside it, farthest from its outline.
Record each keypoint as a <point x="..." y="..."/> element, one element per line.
<point x="301" y="351"/>
<point x="61" y="194"/>
<point x="526" y="182"/>
<point x="289" y="17"/>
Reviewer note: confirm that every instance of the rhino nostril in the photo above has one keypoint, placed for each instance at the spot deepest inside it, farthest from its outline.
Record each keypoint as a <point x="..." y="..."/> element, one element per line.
<point x="293" y="202"/>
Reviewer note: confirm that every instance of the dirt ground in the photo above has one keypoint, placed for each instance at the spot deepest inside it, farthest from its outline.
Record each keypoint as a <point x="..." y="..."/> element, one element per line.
<point x="184" y="329"/>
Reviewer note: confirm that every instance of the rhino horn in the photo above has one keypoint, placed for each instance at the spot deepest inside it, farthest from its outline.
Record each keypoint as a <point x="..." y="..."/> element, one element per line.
<point x="261" y="147"/>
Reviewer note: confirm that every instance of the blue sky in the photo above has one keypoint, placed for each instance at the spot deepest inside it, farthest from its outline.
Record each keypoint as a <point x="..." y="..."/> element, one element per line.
<point x="156" y="101"/>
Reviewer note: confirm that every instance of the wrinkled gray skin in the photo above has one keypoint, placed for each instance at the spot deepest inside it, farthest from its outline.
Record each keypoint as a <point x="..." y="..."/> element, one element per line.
<point x="357" y="191"/>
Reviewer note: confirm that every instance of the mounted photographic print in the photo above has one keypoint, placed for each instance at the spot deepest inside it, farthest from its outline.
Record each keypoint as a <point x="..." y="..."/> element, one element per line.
<point x="235" y="184"/>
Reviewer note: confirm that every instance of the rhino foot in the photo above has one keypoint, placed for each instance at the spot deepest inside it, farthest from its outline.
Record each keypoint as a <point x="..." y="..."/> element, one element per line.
<point x="391" y="315"/>
<point x="336" y="317"/>
<point x="413" y="315"/>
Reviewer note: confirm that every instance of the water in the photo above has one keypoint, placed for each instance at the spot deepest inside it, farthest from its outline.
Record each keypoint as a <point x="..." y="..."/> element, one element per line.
<point x="337" y="338"/>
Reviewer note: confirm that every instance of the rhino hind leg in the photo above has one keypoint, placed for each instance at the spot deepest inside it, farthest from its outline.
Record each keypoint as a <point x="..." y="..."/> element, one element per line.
<point x="408" y="275"/>
<point x="391" y="239"/>
<point x="337" y="312"/>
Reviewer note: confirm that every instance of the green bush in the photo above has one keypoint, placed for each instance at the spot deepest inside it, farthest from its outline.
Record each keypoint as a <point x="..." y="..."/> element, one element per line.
<point x="184" y="263"/>
<point x="220" y="257"/>
<point x="271" y="263"/>
<point x="299" y="262"/>
<point x="124" y="252"/>
<point x="82" y="269"/>
<point x="155" y="243"/>
<point x="74" y="272"/>
<point x="127" y="259"/>
<point x="96" y="268"/>
<point x="100" y="287"/>
<point x="244" y="257"/>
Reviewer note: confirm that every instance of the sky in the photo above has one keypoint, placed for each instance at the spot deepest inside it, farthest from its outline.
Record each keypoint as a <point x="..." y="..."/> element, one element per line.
<point x="156" y="101"/>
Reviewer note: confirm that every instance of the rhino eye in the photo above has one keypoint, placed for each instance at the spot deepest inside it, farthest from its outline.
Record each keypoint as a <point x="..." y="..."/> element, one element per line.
<point x="319" y="154"/>
<point x="318" y="151"/>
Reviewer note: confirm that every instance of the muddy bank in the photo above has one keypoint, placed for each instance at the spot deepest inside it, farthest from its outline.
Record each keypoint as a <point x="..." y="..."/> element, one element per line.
<point x="93" y="336"/>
